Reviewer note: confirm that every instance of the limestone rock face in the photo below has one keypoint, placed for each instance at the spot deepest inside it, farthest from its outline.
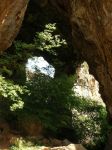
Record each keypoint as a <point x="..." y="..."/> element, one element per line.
<point x="92" y="37"/>
<point x="86" y="85"/>
<point x="11" y="17"/>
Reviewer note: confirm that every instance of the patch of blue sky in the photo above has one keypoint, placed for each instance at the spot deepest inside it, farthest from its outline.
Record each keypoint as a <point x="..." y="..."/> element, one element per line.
<point x="41" y="64"/>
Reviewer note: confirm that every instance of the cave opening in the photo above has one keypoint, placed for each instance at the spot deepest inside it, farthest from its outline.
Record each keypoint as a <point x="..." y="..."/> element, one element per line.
<point x="67" y="62"/>
<point x="83" y="37"/>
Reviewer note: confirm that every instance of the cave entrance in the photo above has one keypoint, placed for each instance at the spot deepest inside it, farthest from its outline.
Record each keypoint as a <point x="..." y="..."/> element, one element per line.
<point x="89" y="117"/>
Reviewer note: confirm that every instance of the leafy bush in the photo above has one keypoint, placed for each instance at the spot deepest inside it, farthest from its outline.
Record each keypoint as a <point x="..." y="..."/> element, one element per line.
<point x="47" y="41"/>
<point x="11" y="92"/>
<point x="51" y="100"/>
<point x="23" y="144"/>
<point x="90" y="123"/>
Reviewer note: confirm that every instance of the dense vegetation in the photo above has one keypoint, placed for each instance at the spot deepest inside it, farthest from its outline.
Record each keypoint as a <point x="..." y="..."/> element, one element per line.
<point x="50" y="101"/>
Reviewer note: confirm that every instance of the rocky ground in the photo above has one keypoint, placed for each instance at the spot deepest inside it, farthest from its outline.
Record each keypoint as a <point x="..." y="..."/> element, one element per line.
<point x="32" y="143"/>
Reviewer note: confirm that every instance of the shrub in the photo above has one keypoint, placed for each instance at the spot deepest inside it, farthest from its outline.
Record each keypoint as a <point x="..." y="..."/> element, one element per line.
<point x="11" y="93"/>
<point x="90" y="123"/>
<point x="51" y="100"/>
<point x="24" y="144"/>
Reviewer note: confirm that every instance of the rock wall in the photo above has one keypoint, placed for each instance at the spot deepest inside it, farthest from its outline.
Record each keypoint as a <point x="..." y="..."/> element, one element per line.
<point x="92" y="36"/>
<point x="92" y="33"/>
<point x="86" y="85"/>
<point x="11" y="17"/>
<point x="91" y="23"/>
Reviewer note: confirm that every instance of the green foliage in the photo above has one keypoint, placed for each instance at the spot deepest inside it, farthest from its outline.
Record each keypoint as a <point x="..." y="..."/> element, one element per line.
<point x="12" y="92"/>
<point x="90" y="124"/>
<point x="47" y="41"/>
<point x="12" y="63"/>
<point x="51" y="100"/>
<point x="23" y="144"/>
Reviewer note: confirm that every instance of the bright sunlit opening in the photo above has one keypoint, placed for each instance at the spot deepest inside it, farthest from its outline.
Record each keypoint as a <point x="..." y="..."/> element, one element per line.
<point x="39" y="63"/>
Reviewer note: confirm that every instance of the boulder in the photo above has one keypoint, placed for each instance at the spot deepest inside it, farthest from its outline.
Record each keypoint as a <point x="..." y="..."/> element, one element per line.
<point x="69" y="147"/>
